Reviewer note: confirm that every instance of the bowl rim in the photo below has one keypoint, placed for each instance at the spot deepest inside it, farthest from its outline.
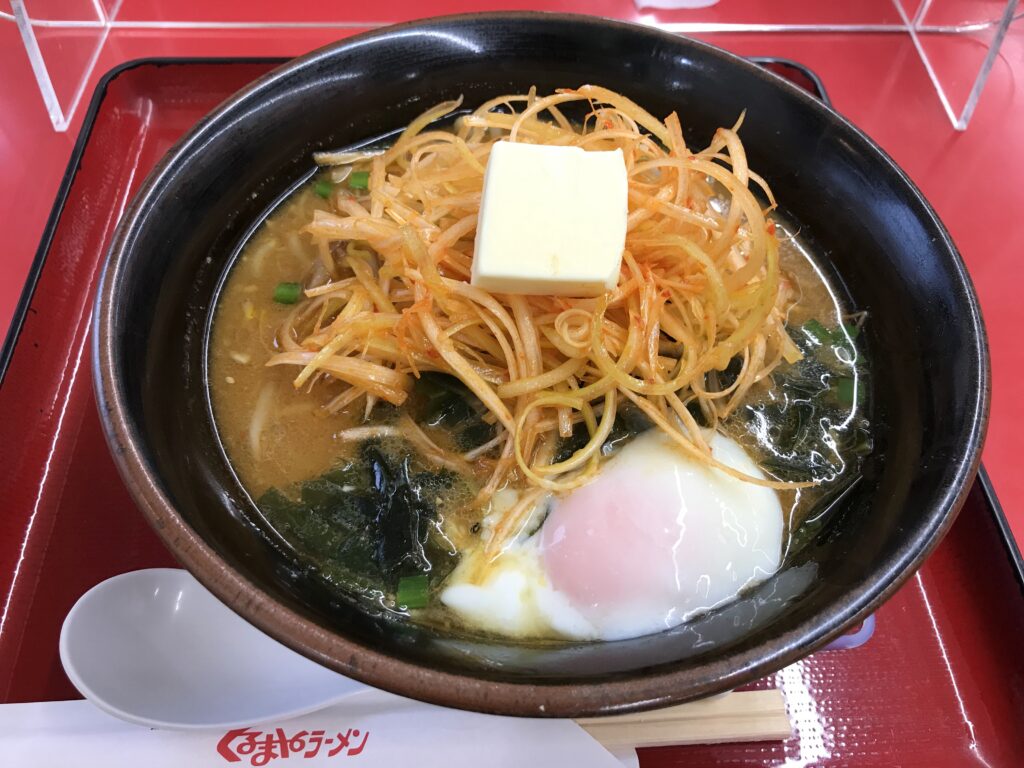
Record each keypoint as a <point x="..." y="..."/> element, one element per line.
<point x="630" y="691"/>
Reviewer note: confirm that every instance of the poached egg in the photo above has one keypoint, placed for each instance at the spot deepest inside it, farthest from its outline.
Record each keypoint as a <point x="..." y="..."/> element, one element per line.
<point x="654" y="540"/>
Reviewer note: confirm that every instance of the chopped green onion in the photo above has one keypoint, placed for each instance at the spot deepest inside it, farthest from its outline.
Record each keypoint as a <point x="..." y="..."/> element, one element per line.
<point x="359" y="180"/>
<point x="817" y="331"/>
<point x="287" y="293"/>
<point x="323" y="188"/>
<point x="848" y="330"/>
<point x="412" y="591"/>
<point x="844" y="391"/>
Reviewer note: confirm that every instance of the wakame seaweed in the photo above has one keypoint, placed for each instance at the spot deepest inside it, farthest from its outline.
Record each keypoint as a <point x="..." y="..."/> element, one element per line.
<point x="630" y="421"/>
<point x="807" y="427"/>
<point x="370" y="522"/>
<point x="410" y="540"/>
<point x="440" y="400"/>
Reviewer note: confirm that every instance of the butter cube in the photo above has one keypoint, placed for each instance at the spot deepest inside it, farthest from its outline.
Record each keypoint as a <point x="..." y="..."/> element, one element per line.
<point x="552" y="221"/>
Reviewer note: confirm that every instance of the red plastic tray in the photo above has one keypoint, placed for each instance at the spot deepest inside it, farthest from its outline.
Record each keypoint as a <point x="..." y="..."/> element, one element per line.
<point x="941" y="682"/>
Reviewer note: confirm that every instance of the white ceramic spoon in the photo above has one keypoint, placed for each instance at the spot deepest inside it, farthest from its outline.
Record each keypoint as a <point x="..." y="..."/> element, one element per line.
<point x="154" y="647"/>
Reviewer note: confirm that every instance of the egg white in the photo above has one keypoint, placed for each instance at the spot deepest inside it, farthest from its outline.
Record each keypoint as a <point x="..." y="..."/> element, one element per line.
<point x="512" y="596"/>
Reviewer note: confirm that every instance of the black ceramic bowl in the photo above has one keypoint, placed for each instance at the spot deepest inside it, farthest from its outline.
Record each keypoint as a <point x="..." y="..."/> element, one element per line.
<point x="870" y="224"/>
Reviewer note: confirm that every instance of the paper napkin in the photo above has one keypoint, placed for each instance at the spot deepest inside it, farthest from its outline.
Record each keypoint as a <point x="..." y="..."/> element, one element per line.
<point x="371" y="729"/>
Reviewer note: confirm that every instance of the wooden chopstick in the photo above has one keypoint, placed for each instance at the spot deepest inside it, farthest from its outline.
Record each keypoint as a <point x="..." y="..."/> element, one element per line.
<point x="737" y="716"/>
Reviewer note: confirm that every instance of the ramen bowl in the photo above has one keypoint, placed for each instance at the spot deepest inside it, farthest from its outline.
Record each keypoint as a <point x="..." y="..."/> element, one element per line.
<point x="876" y="236"/>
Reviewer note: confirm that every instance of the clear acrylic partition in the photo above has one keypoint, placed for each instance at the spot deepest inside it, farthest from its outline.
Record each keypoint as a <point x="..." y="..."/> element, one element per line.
<point x="957" y="41"/>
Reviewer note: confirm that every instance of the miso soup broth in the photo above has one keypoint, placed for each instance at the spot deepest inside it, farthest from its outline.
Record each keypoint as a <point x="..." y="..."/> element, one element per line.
<point x="349" y="354"/>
